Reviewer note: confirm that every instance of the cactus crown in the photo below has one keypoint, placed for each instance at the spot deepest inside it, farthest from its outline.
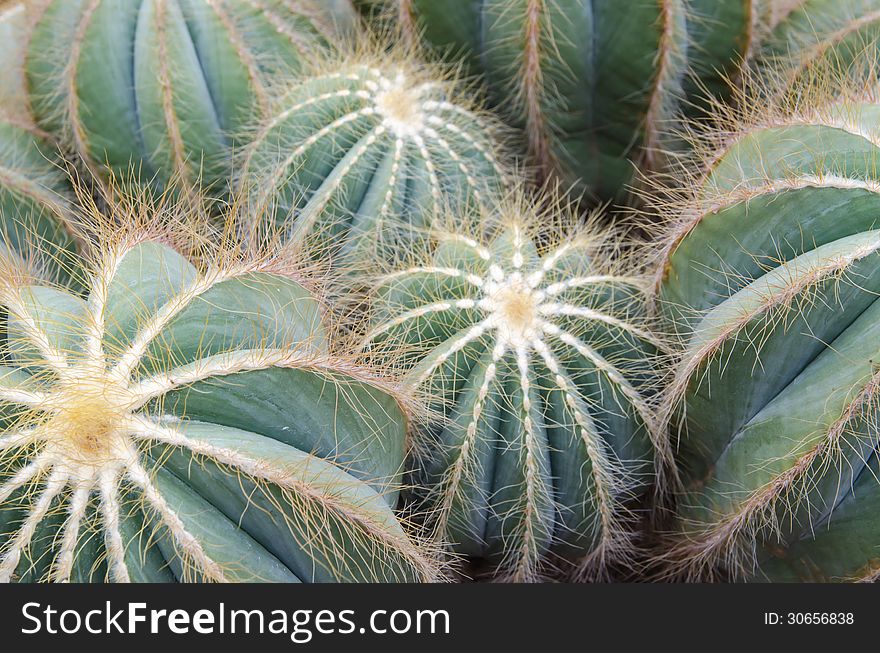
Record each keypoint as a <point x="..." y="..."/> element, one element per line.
<point x="534" y="354"/>
<point x="365" y="149"/>
<point x="186" y="420"/>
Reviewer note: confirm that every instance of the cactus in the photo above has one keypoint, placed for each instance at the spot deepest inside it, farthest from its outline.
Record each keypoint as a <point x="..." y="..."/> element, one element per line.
<point x="365" y="151"/>
<point x="36" y="204"/>
<point x="770" y="274"/>
<point x="595" y="85"/>
<point x="538" y="363"/>
<point x="822" y="35"/>
<point x="164" y="85"/>
<point x="185" y="421"/>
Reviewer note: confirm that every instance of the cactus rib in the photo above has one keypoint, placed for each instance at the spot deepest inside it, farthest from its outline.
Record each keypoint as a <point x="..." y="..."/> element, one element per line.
<point x="164" y="86"/>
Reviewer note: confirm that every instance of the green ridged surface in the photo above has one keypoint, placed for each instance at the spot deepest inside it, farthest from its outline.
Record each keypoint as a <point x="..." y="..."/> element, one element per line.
<point x="13" y="96"/>
<point x="248" y="456"/>
<point x="774" y="290"/>
<point x="166" y="86"/>
<point x="546" y="439"/>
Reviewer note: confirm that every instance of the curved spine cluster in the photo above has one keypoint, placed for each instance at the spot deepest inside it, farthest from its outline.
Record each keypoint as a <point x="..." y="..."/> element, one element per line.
<point x="37" y="221"/>
<point x="831" y="38"/>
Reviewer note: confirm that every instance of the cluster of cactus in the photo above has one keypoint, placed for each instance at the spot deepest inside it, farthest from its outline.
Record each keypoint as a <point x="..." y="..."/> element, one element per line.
<point x="282" y="300"/>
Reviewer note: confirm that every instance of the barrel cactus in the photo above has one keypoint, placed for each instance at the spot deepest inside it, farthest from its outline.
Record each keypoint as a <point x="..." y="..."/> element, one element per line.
<point x="164" y="85"/>
<point x="366" y="151"/>
<point x="37" y="221"/>
<point x="185" y="421"/>
<point x="537" y="360"/>
<point x="771" y="278"/>
<point x="594" y="84"/>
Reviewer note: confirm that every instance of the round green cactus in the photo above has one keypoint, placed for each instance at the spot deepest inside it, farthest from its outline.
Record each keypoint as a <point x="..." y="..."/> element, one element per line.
<point x="594" y="84"/>
<point x="163" y="86"/>
<point x="537" y="359"/>
<point x="186" y="422"/>
<point x="366" y="151"/>
<point x="36" y="207"/>
<point x="771" y="277"/>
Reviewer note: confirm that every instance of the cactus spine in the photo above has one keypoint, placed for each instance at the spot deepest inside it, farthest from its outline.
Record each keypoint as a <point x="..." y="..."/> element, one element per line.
<point x="365" y="152"/>
<point x="771" y="275"/>
<point x="537" y="360"/>
<point x="163" y="85"/>
<point x="186" y="421"/>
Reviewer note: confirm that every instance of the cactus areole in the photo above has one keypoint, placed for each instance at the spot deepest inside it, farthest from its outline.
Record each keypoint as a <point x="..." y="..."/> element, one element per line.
<point x="185" y="424"/>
